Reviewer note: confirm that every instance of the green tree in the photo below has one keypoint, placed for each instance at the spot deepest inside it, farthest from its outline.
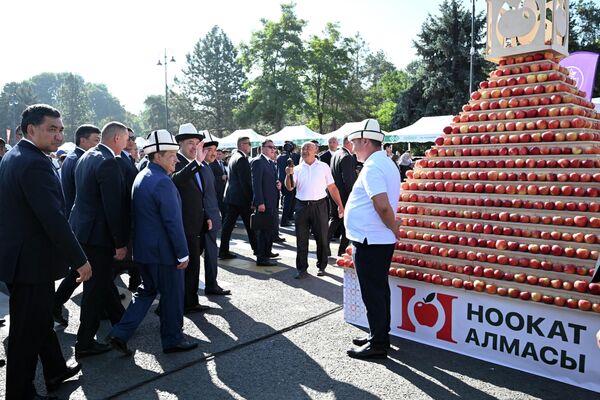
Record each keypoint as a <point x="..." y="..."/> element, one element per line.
<point x="14" y="98"/>
<point x="443" y="47"/>
<point x="74" y="104"/>
<point x="153" y="116"/>
<point x="328" y="72"/>
<point x="276" y="55"/>
<point x="383" y="95"/>
<point x="104" y="106"/>
<point x="213" y="81"/>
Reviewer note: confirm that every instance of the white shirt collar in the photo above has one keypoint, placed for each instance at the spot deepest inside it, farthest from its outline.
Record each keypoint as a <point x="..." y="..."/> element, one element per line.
<point x="188" y="160"/>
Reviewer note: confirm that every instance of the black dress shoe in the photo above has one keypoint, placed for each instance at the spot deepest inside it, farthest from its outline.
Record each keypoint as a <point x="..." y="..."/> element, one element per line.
<point x="273" y="255"/>
<point x="360" y="341"/>
<point x="119" y="345"/>
<point x="301" y="275"/>
<point x="58" y="317"/>
<point x="321" y="272"/>
<point x="182" y="346"/>
<point x="53" y="384"/>
<point x="217" y="292"/>
<point x="279" y="240"/>
<point x="227" y="256"/>
<point x="2" y="363"/>
<point x="196" y="308"/>
<point x="40" y="397"/>
<point x="367" y="352"/>
<point x="94" y="349"/>
<point x="266" y="263"/>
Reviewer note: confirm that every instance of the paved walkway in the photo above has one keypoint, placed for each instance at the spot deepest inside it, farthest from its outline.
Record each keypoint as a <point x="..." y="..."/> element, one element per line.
<point x="279" y="338"/>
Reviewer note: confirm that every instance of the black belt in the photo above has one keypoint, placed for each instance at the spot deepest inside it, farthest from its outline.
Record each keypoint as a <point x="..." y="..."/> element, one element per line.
<point x="311" y="202"/>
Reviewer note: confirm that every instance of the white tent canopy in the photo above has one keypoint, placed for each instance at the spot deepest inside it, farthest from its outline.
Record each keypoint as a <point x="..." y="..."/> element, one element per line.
<point x="344" y="130"/>
<point x="67" y="147"/>
<point x="426" y="129"/>
<point x="230" y="141"/>
<point x="297" y="134"/>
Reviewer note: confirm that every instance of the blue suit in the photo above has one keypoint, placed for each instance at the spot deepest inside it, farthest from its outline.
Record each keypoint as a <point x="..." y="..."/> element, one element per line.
<point x="264" y="178"/>
<point x="211" y="211"/>
<point x="67" y="178"/>
<point x="158" y="243"/>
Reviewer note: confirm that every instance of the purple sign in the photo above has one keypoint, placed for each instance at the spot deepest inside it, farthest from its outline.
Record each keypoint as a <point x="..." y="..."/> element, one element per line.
<point x="582" y="66"/>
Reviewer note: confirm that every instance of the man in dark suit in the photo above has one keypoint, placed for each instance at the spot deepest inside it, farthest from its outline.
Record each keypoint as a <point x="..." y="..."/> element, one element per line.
<point x="38" y="247"/>
<point x="213" y="219"/>
<point x="2" y="148"/>
<point x="264" y="187"/>
<point x="159" y="248"/>
<point x="189" y="185"/>
<point x="289" y="197"/>
<point x="98" y="221"/>
<point x="86" y="137"/>
<point x="127" y="165"/>
<point x="326" y="156"/>
<point x="238" y="197"/>
<point x="343" y="169"/>
<point x="218" y="168"/>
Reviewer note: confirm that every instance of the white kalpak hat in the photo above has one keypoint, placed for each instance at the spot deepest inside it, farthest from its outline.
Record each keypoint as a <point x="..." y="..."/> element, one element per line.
<point x="370" y="130"/>
<point x="160" y="140"/>
<point x="187" y="131"/>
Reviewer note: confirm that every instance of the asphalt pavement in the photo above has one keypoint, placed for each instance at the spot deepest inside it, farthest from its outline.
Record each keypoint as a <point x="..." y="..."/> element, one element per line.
<point x="277" y="337"/>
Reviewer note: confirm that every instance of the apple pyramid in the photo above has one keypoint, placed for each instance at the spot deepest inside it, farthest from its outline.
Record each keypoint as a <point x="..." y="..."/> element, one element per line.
<point x="506" y="202"/>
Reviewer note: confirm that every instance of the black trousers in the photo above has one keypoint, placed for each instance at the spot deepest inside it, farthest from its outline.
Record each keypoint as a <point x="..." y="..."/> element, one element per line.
<point x="311" y="216"/>
<point x="336" y="224"/>
<point x="233" y="212"/>
<point x="31" y="335"/>
<point x="264" y="239"/>
<point x="289" y="204"/>
<point x="192" y="272"/>
<point x="66" y="288"/>
<point x="99" y="294"/>
<point x="372" y="264"/>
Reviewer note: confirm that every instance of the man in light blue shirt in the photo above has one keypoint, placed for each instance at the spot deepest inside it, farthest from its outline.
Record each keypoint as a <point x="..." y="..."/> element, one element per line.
<point x="372" y="227"/>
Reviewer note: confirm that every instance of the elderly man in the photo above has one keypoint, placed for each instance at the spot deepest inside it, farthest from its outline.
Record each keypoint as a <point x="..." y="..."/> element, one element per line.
<point x="312" y="179"/>
<point x="326" y="156"/>
<point x="372" y="227"/>
<point x="159" y="248"/>
<point x="191" y="190"/>
<point x="38" y="247"/>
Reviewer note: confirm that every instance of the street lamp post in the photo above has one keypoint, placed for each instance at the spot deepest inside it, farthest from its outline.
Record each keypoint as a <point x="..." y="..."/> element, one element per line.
<point x="166" y="87"/>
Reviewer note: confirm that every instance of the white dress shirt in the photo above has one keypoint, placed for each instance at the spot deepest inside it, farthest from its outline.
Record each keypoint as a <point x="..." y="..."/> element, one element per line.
<point x="312" y="180"/>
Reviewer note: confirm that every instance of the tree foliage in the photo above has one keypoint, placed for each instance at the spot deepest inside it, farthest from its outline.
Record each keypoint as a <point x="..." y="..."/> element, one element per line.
<point x="212" y="82"/>
<point x="584" y="31"/>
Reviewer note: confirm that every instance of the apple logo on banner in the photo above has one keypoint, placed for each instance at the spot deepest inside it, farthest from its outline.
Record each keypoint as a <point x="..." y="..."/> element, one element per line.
<point x="426" y="312"/>
<point x="577" y="75"/>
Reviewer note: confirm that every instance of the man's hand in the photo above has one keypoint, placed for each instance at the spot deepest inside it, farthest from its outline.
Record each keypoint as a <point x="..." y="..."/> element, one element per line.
<point x="261" y="208"/>
<point x="200" y="152"/>
<point x="120" y="253"/>
<point x="341" y="211"/>
<point x="209" y="224"/>
<point x="289" y="170"/>
<point x="85" y="272"/>
<point x="397" y="229"/>
<point x="278" y="185"/>
<point x="183" y="265"/>
<point x="224" y="177"/>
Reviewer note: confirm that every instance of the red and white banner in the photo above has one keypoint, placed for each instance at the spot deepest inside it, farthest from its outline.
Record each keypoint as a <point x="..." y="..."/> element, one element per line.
<point x="541" y="339"/>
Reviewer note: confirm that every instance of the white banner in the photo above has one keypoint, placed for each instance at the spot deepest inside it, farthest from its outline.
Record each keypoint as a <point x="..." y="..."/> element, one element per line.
<point x="541" y="339"/>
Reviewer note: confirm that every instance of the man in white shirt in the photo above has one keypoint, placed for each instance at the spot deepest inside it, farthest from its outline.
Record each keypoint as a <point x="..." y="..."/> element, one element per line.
<point x="312" y="179"/>
<point x="372" y="227"/>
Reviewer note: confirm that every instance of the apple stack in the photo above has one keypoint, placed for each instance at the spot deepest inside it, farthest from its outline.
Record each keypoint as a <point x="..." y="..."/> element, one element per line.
<point x="506" y="202"/>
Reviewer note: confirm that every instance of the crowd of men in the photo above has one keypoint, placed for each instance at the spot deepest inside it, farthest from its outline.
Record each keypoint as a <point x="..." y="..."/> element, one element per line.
<point x="104" y="213"/>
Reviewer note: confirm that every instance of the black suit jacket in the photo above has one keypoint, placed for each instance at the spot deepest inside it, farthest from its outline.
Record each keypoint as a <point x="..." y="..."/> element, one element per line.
<point x="219" y="182"/>
<point x="282" y="160"/>
<point x="325" y="157"/>
<point x="67" y="178"/>
<point x="264" y="179"/>
<point x="129" y="172"/>
<point x="98" y="216"/>
<point x="37" y="243"/>
<point x="343" y="169"/>
<point x="192" y="197"/>
<point x="239" y="186"/>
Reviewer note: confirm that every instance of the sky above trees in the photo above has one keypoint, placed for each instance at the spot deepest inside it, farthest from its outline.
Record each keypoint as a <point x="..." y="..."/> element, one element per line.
<point x="118" y="43"/>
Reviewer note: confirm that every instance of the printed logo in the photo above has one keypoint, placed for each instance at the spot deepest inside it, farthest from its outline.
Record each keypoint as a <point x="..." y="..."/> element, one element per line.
<point x="433" y="311"/>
